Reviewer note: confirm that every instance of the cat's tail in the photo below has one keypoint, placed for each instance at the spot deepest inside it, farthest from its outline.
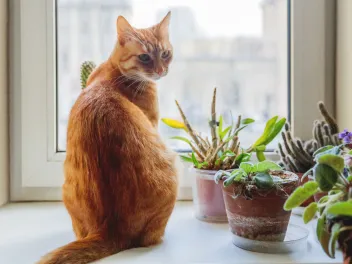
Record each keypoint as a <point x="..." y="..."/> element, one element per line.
<point x="82" y="251"/>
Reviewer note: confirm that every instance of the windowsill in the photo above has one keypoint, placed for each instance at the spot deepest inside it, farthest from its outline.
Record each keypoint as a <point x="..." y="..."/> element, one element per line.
<point x="29" y="230"/>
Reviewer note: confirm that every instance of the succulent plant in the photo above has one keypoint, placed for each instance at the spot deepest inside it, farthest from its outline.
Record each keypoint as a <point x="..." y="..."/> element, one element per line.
<point x="223" y="150"/>
<point x="332" y="174"/>
<point x="255" y="174"/>
<point x="296" y="155"/>
<point x="86" y="69"/>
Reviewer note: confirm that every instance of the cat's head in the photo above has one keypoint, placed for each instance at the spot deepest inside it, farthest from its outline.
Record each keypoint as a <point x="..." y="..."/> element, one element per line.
<point x="143" y="53"/>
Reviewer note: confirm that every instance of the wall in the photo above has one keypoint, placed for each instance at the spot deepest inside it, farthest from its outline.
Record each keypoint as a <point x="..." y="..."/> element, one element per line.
<point x="344" y="64"/>
<point x="4" y="173"/>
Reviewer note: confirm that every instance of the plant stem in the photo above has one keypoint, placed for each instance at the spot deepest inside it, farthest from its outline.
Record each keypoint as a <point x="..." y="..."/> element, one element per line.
<point x="344" y="180"/>
<point x="190" y="130"/>
<point x="200" y="156"/>
<point x="213" y="120"/>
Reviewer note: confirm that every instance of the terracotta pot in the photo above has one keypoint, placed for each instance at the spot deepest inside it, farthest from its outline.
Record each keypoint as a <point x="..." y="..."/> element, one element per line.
<point x="262" y="217"/>
<point x="345" y="244"/>
<point x="207" y="197"/>
<point x="306" y="179"/>
<point x="319" y="195"/>
<point x="347" y="259"/>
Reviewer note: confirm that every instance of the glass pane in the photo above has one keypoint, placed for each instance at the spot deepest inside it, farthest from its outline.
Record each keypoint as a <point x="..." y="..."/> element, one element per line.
<point x="238" y="46"/>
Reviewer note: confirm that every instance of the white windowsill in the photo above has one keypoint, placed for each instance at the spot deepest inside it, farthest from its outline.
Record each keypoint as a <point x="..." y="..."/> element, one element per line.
<point x="29" y="230"/>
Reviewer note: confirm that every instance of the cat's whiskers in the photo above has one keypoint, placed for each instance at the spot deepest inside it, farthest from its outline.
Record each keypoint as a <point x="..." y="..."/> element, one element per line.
<point x="123" y="78"/>
<point x="134" y="81"/>
<point x="139" y="87"/>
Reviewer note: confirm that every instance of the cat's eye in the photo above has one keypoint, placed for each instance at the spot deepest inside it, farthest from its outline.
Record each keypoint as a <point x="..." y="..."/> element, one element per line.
<point x="165" y="54"/>
<point x="144" y="58"/>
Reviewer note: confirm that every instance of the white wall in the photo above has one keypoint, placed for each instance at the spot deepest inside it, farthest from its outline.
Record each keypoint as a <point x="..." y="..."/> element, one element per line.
<point x="4" y="173"/>
<point x="344" y="64"/>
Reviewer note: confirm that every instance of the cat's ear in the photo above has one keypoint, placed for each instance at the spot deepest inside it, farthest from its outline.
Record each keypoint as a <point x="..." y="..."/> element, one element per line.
<point x="163" y="26"/>
<point x="123" y="26"/>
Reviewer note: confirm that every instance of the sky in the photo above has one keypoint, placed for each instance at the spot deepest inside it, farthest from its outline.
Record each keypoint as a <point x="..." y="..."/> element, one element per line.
<point x="215" y="17"/>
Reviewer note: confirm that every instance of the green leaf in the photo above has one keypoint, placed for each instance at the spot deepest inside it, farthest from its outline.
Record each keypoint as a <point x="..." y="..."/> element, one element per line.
<point x="275" y="131"/>
<point x="263" y="180"/>
<point x="220" y="125"/>
<point x="217" y="162"/>
<point x="324" y="240"/>
<point x="349" y="178"/>
<point x="229" y="180"/>
<point x="239" y="176"/>
<point x="320" y="227"/>
<point x="247" y="121"/>
<point x="340" y="208"/>
<point x="230" y="154"/>
<point x="260" y="155"/>
<point x="201" y="165"/>
<point x="182" y="139"/>
<point x="174" y="123"/>
<point x="243" y="157"/>
<point x="239" y="129"/>
<point x="266" y="165"/>
<point x="325" y="176"/>
<point x="194" y="159"/>
<point x="236" y="176"/>
<point x="267" y="130"/>
<point x="301" y="194"/>
<point x="186" y="159"/>
<point x="309" y="212"/>
<point x="218" y="176"/>
<point x="227" y="153"/>
<point x="260" y="148"/>
<point x="224" y="133"/>
<point x="335" y="232"/>
<point x="220" y="153"/>
<point x="334" y="161"/>
<point x="322" y="149"/>
<point x="247" y="167"/>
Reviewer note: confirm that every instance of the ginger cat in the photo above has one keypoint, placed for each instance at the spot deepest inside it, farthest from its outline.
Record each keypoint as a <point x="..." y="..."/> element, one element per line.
<point x="120" y="179"/>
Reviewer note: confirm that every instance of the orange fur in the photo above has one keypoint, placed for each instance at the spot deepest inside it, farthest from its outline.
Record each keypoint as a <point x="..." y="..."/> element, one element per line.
<point x="120" y="179"/>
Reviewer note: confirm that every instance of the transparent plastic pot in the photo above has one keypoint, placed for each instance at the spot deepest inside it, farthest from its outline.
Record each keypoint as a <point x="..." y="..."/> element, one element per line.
<point x="207" y="197"/>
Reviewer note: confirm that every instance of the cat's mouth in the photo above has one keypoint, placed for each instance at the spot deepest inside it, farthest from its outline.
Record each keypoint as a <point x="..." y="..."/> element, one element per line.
<point x="153" y="77"/>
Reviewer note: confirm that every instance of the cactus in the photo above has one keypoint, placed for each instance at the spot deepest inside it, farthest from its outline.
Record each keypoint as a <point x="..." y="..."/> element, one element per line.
<point x="86" y="69"/>
<point x="296" y="155"/>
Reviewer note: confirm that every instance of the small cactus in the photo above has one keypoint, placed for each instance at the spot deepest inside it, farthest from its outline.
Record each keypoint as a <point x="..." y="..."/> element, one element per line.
<point x="296" y="155"/>
<point x="86" y="69"/>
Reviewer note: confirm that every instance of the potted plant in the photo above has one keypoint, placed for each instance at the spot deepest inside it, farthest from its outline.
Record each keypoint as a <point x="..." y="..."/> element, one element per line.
<point x="254" y="196"/>
<point x="221" y="152"/>
<point x="297" y="156"/>
<point x="332" y="174"/>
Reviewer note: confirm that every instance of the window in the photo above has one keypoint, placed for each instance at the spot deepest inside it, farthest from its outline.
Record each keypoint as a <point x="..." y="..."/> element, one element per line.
<point x="241" y="49"/>
<point x="263" y="55"/>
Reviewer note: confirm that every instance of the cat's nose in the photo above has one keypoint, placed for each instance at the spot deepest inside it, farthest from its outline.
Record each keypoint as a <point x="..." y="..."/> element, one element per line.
<point x="159" y="71"/>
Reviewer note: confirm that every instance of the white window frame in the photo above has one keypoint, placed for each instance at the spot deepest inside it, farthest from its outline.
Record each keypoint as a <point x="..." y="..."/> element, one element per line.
<point x="36" y="167"/>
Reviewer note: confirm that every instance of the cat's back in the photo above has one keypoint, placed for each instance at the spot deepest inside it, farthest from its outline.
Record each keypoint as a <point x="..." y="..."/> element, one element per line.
<point x="109" y="135"/>
<point x="100" y="106"/>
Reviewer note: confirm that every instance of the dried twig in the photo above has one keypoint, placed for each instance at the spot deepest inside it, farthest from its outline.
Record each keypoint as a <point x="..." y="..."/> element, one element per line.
<point x="190" y="130"/>
<point x="213" y="123"/>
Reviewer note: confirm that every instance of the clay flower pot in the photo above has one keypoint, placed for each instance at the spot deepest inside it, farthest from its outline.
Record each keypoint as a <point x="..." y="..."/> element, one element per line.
<point x="262" y="216"/>
<point x="319" y="195"/>
<point x="207" y="197"/>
